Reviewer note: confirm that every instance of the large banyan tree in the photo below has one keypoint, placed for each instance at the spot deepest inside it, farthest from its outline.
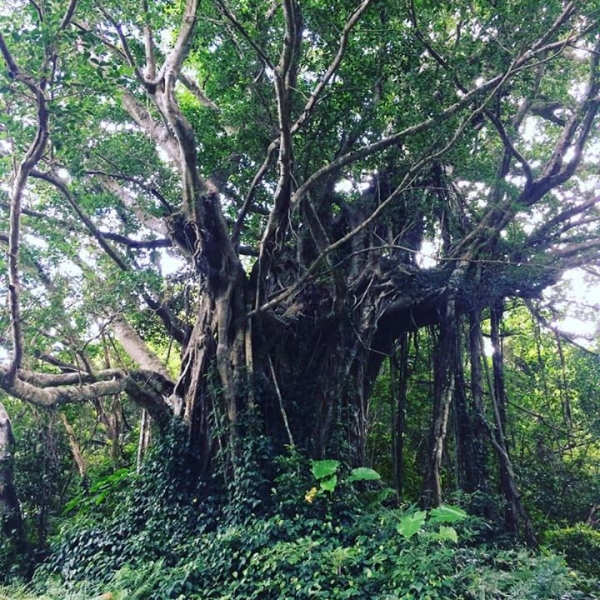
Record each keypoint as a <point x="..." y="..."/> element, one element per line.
<point x="256" y="202"/>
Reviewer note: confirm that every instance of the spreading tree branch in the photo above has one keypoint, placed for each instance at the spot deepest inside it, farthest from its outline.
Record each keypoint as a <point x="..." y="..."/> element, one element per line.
<point x="28" y="163"/>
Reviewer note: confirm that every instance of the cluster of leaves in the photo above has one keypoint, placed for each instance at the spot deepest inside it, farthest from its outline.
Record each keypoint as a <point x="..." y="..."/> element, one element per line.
<point x="168" y="540"/>
<point x="303" y="557"/>
<point x="126" y="518"/>
<point x="580" y="545"/>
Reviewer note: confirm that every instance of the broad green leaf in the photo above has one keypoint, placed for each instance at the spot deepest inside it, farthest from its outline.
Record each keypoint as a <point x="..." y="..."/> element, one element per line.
<point x="411" y="523"/>
<point x="324" y="468"/>
<point x="329" y="483"/>
<point x="447" y="533"/>
<point x="447" y="514"/>
<point x="364" y="474"/>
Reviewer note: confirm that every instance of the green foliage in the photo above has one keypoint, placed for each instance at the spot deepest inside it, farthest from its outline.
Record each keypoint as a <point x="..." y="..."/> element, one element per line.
<point x="447" y="514"/>
<point x="143" y="522"/>
<point x="168" y="539"/>
<point x="326" y="473"/>
<point x="102" y="497"/>
<point x="363" y="474"/>
<point x="579" y="544"/>
<point x="413" y="522"/>
<point x="300" y="557"/>
<point x="252" y="529"/>
<point x="323" y="469"/>
<point x="553" y="412"/>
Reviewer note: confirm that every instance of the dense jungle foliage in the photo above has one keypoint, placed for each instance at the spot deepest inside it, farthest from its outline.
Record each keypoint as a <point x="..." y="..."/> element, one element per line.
<point x="287" y="291"/>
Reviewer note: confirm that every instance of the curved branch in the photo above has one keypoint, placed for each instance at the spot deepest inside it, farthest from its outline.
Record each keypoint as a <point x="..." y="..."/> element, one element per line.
<point x="171" y="322"/>
<point x="541" y="234"/>
<point x="396" y="138"/>
<point x="48" y="397"/>
<point x="239" y="27"/>
<point x="171" y="68"/>
<point x="32" y="156"/>
<point x="69" y="13"/>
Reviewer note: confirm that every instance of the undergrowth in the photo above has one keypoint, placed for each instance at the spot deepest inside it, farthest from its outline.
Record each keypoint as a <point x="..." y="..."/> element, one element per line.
<point x="320" y="531"/>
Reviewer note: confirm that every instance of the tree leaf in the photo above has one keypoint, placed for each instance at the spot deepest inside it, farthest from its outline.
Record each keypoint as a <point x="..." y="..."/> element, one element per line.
<point x="411" y="523"/>
<point x="447" y="514"/>
<point x="364" y="474"/>
<point x="447" y="533"/>
<point x="324" y="468"/>
<point x="329" y="484"/>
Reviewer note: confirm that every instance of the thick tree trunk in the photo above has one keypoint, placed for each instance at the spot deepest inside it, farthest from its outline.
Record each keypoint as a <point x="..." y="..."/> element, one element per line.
<point x="324" y="373"/>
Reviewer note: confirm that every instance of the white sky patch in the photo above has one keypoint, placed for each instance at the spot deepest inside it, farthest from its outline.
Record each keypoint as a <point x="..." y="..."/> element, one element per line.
<point x="578" y="90"/>
<point x="426" y="257"/>
<point x="569" y="154"/>
<point x="582" y="296"/>
<point x="64" y="174"/>
<point x="35" y="241"/>
<point x="170" y="263"/>
<point x="576" y="327"/>
<point x="530" y="130"/>
<point x="347" y="186"/>
<point x="488" y="347"/>
<point x="69" y="268"/>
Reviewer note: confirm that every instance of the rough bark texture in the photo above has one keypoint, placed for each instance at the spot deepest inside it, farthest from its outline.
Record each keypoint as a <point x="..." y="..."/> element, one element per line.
<point x="11" y="521"/>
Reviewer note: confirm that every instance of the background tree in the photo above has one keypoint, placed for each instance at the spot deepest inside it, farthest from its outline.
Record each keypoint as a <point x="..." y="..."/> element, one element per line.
<point x="256" y="187"/>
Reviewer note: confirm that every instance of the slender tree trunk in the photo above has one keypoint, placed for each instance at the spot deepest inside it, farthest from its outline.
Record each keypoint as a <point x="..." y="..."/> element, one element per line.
<point x="144" y="439"/>
<point x="466" y="457"/>
<point x="496" y="313"/>
<point x="11" y="521"/>
<point x="399" y="368"/>
<point x="444" y="382"/>
<point x="515" y="513"/>
<point x="469" y="410"/>
<point x="75" y="449"/>
<point x="478" y="434"/>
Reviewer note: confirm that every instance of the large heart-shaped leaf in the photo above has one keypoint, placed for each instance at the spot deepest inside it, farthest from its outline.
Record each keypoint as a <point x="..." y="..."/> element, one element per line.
<point x="324" y="468"/>
<point x="411" y="523"/>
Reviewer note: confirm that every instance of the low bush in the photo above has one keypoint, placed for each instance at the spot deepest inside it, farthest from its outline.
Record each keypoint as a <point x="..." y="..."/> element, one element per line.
<point x="580" y="545"/>
<point x="325" y="532"/>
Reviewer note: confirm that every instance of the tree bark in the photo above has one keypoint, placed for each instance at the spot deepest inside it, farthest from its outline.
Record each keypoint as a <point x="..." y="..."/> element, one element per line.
<point x="11" y="520"/>
<point x="444" y="391"/>
<point x="476" y="444"/>
<point x="516" y="516"/>
<point x="399" y="369"/>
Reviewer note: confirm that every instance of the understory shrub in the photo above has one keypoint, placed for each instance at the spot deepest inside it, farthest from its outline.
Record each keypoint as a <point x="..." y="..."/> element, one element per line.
<point x="325" y="532"/>
<point x="580" y="545"/>
<point x="277" y="558"/>
<point x="303" y="557"/>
